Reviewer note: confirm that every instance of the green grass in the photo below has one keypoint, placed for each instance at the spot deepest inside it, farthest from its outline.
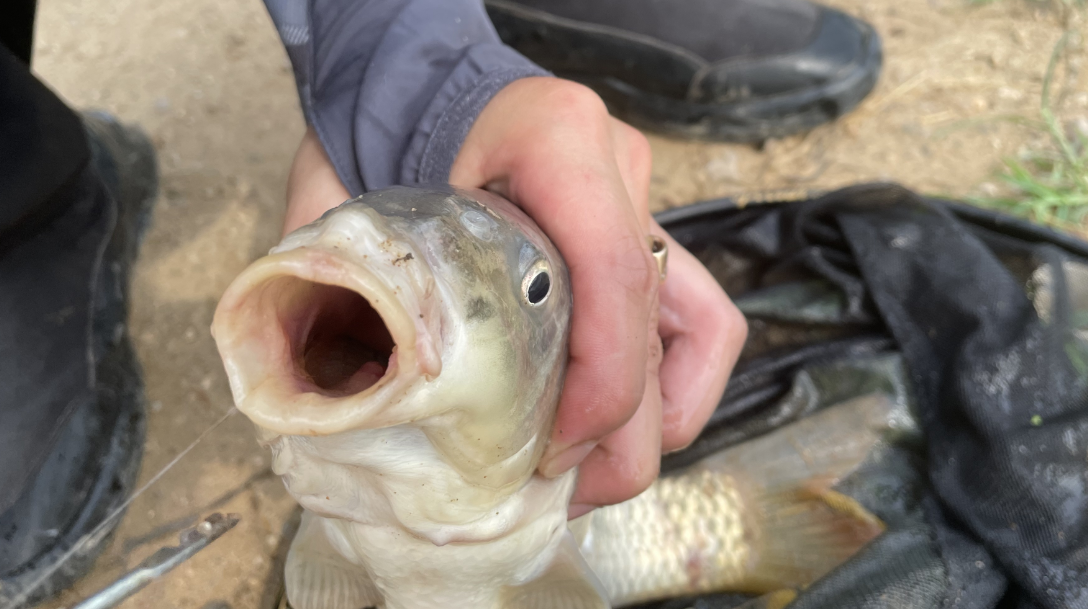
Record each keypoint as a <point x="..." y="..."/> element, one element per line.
<point x="1050" y="184"/>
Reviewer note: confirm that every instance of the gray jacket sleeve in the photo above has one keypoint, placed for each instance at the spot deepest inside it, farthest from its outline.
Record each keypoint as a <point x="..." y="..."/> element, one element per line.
<point x="393" y="86"/>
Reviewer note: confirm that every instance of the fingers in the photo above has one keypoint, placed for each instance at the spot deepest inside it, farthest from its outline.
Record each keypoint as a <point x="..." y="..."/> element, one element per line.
<point x="626" y="461"/>
<point x="703" y="332"/>
<point x="312" y="185"/>
<point x="551" y="147"/>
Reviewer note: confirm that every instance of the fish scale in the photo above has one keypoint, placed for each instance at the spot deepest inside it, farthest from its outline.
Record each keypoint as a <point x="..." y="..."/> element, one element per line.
<point x="683" y="534"/>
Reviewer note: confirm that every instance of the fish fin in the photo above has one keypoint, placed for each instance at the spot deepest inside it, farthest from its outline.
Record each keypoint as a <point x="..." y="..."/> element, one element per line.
<point x="318" y="577"/>
<point x="804" y="533"/>
<point x="580" y="527"/>
<point x="831" y="443"/>
<point x="568" y="583"/>
<point x="801" y="527"/>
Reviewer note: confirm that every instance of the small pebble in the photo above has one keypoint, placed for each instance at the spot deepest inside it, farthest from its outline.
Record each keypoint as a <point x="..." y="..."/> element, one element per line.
<point x="1010" y="94"/>
<point x="1080" y="125"/>
<point x="723" y="167"/>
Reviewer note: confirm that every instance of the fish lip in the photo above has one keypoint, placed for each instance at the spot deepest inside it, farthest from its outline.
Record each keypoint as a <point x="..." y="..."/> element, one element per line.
<point x="286" y="403"/>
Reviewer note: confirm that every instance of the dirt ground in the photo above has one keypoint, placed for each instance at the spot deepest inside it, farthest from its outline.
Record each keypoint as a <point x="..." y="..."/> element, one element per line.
<point x="211" y="84"/>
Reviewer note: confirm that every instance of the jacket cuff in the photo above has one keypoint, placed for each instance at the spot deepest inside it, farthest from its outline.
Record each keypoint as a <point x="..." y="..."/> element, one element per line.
<point x="442" y="129"/>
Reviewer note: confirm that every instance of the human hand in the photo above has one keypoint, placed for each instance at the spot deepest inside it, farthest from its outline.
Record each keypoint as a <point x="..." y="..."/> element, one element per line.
<point x="642" y="380"/>
<point x="313" y="187"/>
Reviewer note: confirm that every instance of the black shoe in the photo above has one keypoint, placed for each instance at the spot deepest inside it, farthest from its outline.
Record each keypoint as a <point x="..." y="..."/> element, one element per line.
<point x="52" y="533"/>
<point x="735" y="70"/>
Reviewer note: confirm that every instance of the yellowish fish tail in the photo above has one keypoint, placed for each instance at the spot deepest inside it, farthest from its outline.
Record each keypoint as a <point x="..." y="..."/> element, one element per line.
<point x="800" y="528"/>
<point x="803" y="533"/>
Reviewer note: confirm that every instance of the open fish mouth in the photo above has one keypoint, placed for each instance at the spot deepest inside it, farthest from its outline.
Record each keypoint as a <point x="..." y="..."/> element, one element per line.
<point x="337" y="342"/>
<point x="345" y="348"/>
<point x="329" y="339"/>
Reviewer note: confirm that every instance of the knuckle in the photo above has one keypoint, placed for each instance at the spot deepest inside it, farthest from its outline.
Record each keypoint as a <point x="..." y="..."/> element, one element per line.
<point x="620" y="400"/>
<point x="723" y="315"/>
<point x="736" y="323"/>
<point x="577" y="103"/>
<point x="643" y="473"/>
<point x="577" y="95"/>
<point x="681" y="434"/>
<point x="637" y="269"/>
<point x="642" y="281"/>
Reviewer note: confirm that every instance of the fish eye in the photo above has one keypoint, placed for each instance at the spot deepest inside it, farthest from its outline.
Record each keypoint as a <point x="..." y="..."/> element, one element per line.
<point x="537" y="284"/>
<point x="538" y="289"/>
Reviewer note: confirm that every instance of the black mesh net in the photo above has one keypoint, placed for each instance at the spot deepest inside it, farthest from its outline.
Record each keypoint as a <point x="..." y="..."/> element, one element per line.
<point x="980" y="323"/>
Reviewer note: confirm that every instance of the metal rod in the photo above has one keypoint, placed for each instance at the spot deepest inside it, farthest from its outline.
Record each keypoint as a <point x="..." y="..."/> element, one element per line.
<point x="192" y="540"/>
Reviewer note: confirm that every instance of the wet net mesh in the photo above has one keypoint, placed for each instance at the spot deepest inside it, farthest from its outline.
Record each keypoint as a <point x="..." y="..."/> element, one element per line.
<point x="980" y="322"/>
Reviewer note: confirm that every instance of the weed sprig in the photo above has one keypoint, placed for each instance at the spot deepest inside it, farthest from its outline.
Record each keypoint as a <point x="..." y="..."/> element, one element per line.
<point x="1049" y="185"/>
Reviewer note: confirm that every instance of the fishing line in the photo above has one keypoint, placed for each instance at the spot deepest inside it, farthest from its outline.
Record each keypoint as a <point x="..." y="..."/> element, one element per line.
<point x="25" y="593"/>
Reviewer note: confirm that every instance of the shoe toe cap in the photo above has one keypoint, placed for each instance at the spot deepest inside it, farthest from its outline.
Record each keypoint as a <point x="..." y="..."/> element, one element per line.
<point x="841" y="48"/>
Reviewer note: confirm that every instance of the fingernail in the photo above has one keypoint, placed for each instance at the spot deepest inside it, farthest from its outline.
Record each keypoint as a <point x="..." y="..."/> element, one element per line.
<point x="575" y="510"/>
<point x="567" y="459"/>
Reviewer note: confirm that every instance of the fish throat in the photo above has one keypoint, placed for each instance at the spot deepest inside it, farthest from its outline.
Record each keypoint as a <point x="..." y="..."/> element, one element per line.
<point x="338" y="343"/>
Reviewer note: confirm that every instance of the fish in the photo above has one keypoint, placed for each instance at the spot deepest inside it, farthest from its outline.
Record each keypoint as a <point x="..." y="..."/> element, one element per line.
<point x="402" y="358"/>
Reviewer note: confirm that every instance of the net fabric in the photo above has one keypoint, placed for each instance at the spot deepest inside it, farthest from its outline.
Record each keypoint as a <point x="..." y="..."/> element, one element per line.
<point x="980" y="322"/>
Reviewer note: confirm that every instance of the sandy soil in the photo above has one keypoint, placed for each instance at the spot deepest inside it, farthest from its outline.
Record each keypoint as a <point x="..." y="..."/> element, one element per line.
<point x="210" y="83"/>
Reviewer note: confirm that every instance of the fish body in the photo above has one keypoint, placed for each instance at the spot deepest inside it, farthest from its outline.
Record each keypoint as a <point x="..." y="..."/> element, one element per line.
<point x="403" y="356"/>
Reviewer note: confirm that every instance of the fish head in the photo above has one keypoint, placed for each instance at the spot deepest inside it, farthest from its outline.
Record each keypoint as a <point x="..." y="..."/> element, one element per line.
<point x="440" y="309"/>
